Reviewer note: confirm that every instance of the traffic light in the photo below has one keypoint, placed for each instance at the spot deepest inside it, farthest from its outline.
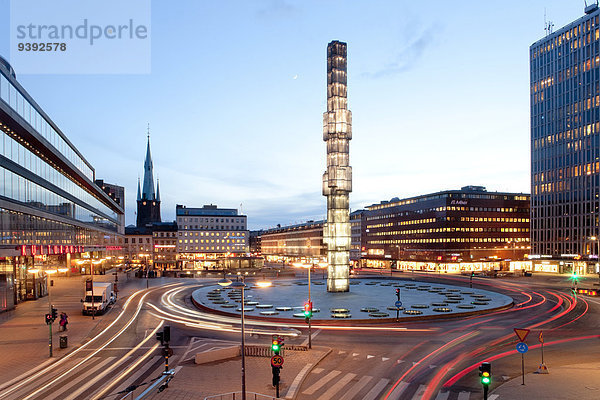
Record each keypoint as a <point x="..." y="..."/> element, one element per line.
<point x="397" y="292"/>
<point x="48" y="319"/>
<point x="167" y="333"/>
<point x="308" y="309"/>
<point x="54" y="314"/>
<point x="485" y="372"/>
<point x="276" y="345"/>
<point x="160" y="336"/>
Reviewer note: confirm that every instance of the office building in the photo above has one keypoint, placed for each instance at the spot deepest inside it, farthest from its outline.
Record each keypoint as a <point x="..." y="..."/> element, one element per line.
<point x="211" y="237"/>
<point x="294" y="243"/>
<point x="357" y="222"/>
<point x="51" y="211"/>
<point x="464" y="225"/>
<point x="565" y="149"/>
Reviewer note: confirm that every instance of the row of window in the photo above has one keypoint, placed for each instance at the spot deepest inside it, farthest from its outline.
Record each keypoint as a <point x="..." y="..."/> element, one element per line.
<point x="449" y="240"/>
<point x="211" y="220"/>
<point x="212" y="241"/>
<point x="448" y="229"/>
<point x="15" y="100"/>
<point x="217" y="234"/>
<point x="213" y="248"/>
<point x="588" y="26"/>
<point x="216" y="227"/>
<point x="447" y="208"/>
<point x="22" y="156"/>
<point x="17" y="188"/>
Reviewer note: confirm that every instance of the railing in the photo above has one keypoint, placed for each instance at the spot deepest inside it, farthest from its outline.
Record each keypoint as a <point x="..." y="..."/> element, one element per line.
<point x="266" y="351"/>
<point x="238" y="395"/>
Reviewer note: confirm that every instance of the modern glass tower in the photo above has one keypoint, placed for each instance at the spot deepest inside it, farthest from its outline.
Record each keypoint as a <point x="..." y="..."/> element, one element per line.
<point x="337" y="179"/>
<point x="565" y="132"/>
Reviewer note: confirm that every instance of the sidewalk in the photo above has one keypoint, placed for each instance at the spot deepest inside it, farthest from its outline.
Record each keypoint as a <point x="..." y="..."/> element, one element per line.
<point x="24" y="333"/>
<point x="577" y="381"/>
<point x="195" y="382"/>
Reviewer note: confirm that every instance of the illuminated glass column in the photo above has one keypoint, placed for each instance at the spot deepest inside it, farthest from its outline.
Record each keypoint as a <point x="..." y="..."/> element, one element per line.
<point x="337" y="180"/>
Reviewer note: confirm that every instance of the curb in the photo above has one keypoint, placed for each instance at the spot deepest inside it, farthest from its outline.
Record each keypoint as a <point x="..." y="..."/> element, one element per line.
<point x="302" y="379"/>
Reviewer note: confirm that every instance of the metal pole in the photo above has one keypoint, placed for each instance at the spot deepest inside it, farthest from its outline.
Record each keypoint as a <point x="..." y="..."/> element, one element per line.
<point x="147" y="270"/>
<point x="542" y="352"/>
<point x="92" y="279"/>
<point x="243" y="349"/>
<point x="485" y="392"/>
<point x="50" y="311"/>
<point x="523" y="367"/>
<point x="309" y="302"/>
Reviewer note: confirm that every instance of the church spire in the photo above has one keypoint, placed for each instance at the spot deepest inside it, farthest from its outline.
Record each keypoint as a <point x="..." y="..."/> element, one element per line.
<point x="148" y="187"/>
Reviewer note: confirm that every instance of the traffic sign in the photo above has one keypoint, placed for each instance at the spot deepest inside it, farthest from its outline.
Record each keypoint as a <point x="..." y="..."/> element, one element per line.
<point x="522" y="347"/>
<point x="521" y="333"/>
<point x="276" y="361"/>
<point x="541" y="337"/>
<point x="398" y="304"/>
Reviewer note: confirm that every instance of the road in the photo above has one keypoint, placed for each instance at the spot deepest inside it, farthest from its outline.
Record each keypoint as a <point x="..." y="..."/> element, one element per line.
<point x="427" y="360"/>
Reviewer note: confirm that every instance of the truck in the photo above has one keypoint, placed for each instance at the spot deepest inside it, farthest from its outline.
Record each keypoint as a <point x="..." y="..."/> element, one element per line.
<point x="104" y="296"/>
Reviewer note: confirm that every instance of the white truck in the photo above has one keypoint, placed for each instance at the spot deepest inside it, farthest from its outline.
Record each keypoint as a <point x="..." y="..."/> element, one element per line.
<point x="103" y="296"/>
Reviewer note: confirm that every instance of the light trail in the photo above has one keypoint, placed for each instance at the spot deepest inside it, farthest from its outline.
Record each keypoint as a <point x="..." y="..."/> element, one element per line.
<point x="447" y="345"/>
<point x="129" y="353"/>
<point x="465" y="371"/>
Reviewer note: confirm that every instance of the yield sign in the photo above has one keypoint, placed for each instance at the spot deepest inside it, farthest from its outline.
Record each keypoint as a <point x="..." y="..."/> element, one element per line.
<point x="521" y="334"/>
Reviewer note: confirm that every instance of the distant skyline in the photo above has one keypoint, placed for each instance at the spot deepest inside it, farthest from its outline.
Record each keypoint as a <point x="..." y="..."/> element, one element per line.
<point x="439" y="93"/>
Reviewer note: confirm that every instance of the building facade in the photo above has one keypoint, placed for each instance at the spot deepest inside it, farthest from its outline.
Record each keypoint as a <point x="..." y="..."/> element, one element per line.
<point x="357" y="222"/>
<point x="464" y="225"/>
<point x="294" y="243"/>
<point x="565" y="134"/>
<point x="51" y="211"/>
<point x="210" y="237"/>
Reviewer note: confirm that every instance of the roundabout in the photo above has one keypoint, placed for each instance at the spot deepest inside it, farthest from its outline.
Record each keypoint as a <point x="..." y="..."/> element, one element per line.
<point x="369" y="300"/>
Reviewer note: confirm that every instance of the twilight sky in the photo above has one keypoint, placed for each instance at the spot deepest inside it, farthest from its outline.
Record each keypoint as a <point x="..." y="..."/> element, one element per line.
<point x="438" y="91"/>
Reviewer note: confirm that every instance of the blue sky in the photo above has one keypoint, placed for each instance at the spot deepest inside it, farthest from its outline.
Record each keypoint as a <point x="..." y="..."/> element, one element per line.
<point x="438" y="91"/>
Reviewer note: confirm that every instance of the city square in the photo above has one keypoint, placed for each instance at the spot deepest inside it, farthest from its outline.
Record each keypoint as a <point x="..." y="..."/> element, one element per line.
<point x="333" y="200"/>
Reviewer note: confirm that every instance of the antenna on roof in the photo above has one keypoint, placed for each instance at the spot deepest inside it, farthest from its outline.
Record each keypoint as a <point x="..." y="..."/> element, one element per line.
<point x="548" y="25"/>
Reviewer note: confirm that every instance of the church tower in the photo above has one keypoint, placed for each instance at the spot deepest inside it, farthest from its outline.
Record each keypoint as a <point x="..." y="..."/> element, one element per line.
<point x="148" y="200"/>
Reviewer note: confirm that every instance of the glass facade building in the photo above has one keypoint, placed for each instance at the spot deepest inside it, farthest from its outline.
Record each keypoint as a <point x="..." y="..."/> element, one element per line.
<point x="50" y="206"/>
<point x="565" y="133"/>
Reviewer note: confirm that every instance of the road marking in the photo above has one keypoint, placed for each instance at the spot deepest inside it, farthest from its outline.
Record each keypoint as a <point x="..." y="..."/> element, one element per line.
<point x="399" y="361"/>
<point x="329" y="394"/>
<point x="505" y="377"/>
<point x="356" y="388"/>
<point x="317" y="370"/>
<point x="341" y="352"/>
<point x="419" y="393"/>
<point x="80" y="378"/>
<point x="432" y="366"/>
<point x="355" y="354"/>
<point x="464" y="395"/>
<point x="30" y="372"/>
<point x="91" y="382"/>
<point x="383" y="359"/>
<point x="397" y="392"/>
<point x="375" y="390"/>
<point x="370" y="356"/>
<point x="493" y="396"/>
<point x="442" y="396"/>
<point x="291" y="393"/>
<point x="137" y="375"/>
<point x="321" y="382"/>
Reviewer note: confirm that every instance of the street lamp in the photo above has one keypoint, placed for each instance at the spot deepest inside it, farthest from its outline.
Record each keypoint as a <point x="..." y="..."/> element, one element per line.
<point x="309" y="302"/>
<point x="239" y="285"/>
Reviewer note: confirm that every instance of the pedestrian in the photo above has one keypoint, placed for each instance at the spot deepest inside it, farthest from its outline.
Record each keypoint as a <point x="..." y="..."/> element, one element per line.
<point x="64" y="320"/>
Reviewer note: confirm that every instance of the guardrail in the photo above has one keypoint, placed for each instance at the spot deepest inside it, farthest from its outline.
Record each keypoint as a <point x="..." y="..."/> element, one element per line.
<point x="238" y="395"/>
<point x="266" y="351"/>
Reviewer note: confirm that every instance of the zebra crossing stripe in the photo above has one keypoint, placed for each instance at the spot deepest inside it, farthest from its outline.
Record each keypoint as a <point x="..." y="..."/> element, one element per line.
<point x="93" y="381"/>
<point x="62" y="389"/>
<point x="356" y="388"/>
<point x="493" y="396"/>
<point x="442" y="396"/>
<point x="464" y="395"/>
<point x="329" y="394"/>
<point x="322" y="382"/>
<point x="419" y="393"/>
<point x="395" y="395"/>
<point x="375" y="390"/>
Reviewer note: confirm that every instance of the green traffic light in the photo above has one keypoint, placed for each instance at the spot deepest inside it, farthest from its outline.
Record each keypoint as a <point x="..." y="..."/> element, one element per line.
<point x="485" y="381"/>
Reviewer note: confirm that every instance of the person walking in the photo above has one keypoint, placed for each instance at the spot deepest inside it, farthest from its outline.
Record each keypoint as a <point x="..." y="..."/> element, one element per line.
<point x="64" y="320"/>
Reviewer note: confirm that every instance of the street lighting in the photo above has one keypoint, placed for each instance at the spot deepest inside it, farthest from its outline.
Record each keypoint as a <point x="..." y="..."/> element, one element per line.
<point x="239" y="285"/>
<point x="309" y="302"/>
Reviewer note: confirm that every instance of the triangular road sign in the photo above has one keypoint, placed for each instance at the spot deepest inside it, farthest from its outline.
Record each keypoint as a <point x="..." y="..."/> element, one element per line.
<point x="521" y="333"/>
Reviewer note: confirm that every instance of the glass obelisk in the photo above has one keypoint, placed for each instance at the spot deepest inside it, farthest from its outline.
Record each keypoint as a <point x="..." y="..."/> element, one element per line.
<point x="337" y="179"/>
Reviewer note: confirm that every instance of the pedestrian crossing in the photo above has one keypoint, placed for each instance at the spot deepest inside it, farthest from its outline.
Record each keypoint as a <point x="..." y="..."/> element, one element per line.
<point x="348" y="386"/>
<point x="77" y="380"/>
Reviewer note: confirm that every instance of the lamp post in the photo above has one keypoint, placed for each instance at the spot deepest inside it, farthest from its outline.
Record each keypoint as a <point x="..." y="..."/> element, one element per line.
<point x="92" y="281"/>
<point x="239" y="285"/>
